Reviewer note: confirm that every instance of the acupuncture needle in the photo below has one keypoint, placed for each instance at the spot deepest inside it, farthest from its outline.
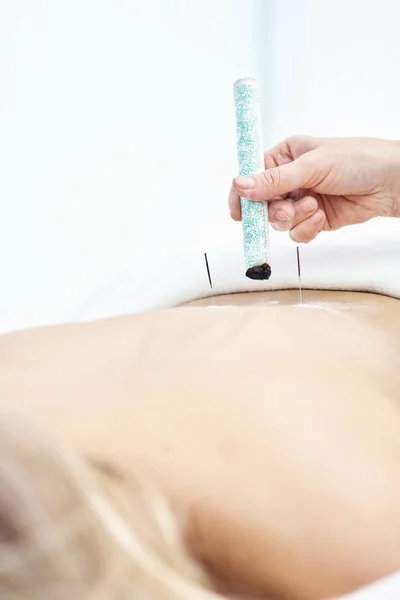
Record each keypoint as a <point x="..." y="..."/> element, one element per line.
<point x="209" y="275"/>
<point x="299" y="275"/>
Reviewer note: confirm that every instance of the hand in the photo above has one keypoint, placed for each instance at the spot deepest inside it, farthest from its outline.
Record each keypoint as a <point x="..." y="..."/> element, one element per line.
<point x="334" y="182"/>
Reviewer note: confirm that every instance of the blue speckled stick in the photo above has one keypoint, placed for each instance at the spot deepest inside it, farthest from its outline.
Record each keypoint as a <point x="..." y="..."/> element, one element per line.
<point x="251" y="160"/>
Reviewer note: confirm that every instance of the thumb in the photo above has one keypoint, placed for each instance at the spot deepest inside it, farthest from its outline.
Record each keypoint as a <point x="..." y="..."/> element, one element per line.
<point x="274" y="182"/>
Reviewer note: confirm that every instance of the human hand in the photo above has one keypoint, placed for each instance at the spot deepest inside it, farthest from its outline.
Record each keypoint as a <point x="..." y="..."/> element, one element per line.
<point x="334" y="182"/>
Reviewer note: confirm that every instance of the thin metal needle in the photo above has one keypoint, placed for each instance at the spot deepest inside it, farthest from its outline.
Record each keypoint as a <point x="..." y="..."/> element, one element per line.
<point x="208" y="269"/>
<point x="299" y="274"/>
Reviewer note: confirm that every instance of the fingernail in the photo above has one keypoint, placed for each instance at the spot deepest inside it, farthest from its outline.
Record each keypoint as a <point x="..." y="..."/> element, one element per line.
<point x="246" y="183"/>
<point x="309" y="207"/>
<point x="281" y="215"/>
<point x="278" y="226"/>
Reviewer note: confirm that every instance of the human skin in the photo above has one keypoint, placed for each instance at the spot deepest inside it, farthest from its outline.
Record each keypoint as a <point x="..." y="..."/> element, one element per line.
<point x="335" y="182"/>
<point x="272" y="430"/>
<point x="381" y="312"/>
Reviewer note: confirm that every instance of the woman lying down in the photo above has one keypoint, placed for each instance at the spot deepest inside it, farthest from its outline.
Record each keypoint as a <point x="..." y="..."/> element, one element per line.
<point x="249" y="452"/>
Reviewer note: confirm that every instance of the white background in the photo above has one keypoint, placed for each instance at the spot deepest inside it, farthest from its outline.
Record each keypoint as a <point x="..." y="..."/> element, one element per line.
<point x="332" y="67"/>
<point x="117" y="135"/>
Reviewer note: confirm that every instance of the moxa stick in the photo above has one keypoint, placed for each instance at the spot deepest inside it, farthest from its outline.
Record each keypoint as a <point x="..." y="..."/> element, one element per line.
<point x="251" y="160"/>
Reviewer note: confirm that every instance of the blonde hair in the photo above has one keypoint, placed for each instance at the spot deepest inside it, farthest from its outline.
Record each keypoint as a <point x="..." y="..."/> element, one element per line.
<point x="70" y="531"/>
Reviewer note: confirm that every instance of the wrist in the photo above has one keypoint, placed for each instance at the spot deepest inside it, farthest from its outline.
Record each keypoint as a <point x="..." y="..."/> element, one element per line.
<point x="396" y="207"/>
<point x="395" y="181"/>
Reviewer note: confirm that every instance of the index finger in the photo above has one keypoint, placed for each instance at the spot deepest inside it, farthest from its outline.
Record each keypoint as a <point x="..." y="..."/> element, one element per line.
<point x="290" y="149"/>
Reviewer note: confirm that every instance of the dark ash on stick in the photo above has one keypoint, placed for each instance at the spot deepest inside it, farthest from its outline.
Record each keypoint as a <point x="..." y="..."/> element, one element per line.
<point x="260" y="272"/>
